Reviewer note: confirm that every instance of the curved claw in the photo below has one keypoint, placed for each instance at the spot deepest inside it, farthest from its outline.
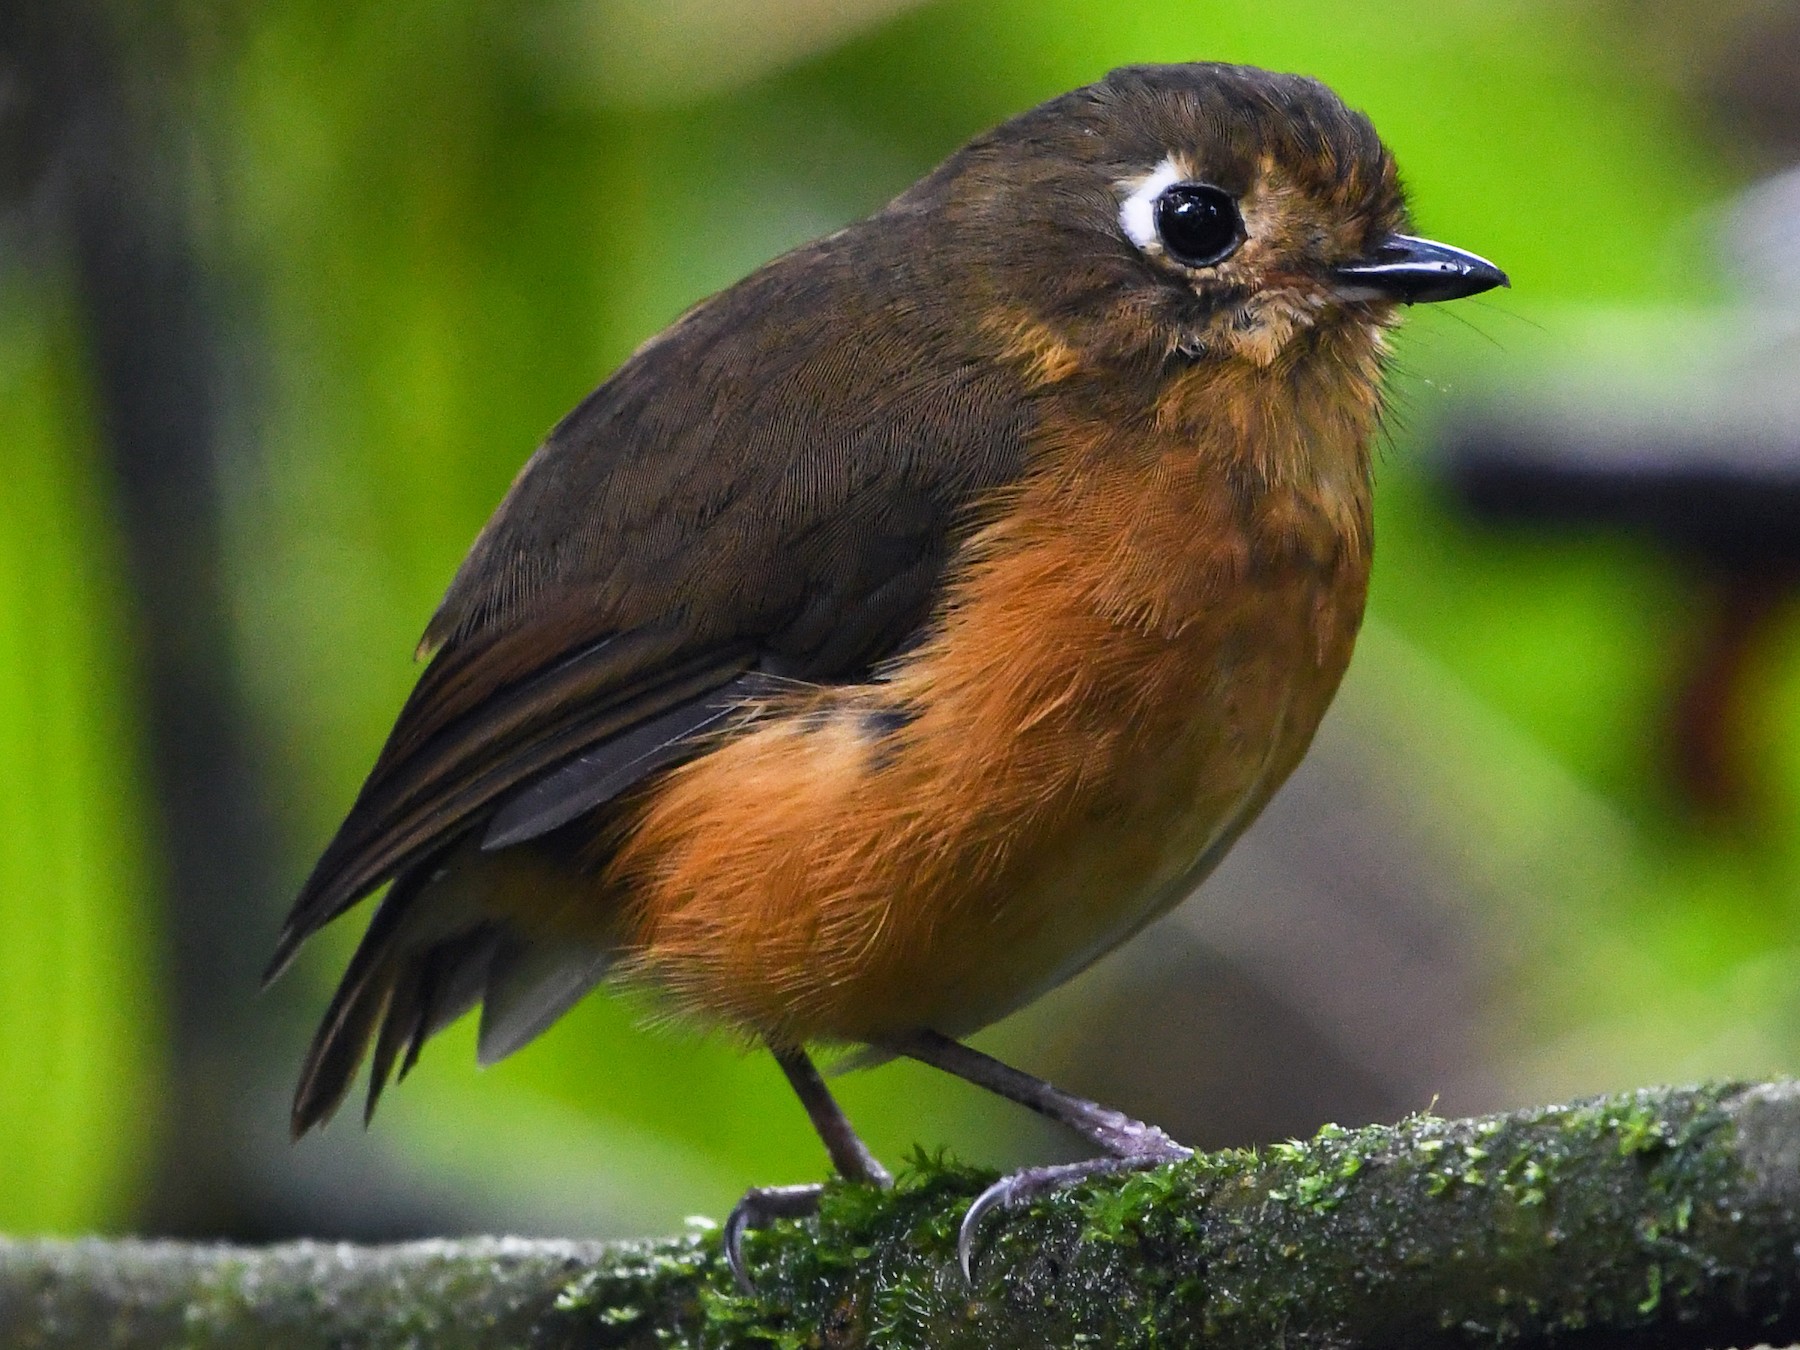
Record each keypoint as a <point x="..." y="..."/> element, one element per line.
<point x="760" y="1207"/>
<point x="1024" y="1186"/>
<point x="1009" y="1191"/>
<point x="994" y="1197"/>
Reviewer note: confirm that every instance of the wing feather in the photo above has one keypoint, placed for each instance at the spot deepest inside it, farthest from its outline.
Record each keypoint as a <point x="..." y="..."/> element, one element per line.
<point x="421" y="797"/>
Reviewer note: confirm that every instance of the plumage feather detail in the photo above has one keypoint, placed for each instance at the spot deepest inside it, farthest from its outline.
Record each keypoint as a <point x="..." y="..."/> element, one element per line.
<point x="434" y="951"/>
<point x="352" y="1018"/>
<point x="440" y="943"/>
<point x="419" y="799"/>
<point x="530" y="985"/>
<point x="432" y="989"/>
<point x="600" y="773"/>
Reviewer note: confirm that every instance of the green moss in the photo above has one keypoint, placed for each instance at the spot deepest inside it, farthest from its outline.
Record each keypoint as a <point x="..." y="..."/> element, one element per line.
<point x="1428" y="1229"/>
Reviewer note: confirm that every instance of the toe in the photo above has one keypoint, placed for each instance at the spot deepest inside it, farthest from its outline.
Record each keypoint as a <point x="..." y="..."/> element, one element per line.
<point x="759" y="1208"/>
<point x="1022" y="1187"/>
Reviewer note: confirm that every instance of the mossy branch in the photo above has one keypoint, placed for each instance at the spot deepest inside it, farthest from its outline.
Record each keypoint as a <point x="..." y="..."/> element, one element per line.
<point x="1661" y="1218"/>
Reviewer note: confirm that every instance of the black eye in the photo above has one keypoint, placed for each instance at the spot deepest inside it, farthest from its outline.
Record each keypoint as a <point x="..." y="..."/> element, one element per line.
<point x="1198" y="225"/>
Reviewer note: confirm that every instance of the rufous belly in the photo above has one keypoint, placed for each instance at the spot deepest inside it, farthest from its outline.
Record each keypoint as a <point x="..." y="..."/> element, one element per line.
<point x="821" y="877"/>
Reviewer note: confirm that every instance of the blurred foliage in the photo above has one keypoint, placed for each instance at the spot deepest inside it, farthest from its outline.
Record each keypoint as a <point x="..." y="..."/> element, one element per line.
<point x="446" y="227"/>
<point x="78" y="1013"/>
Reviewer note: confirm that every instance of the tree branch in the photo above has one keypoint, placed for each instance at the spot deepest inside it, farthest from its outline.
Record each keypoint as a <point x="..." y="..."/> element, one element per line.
<point x="1661" y="1218"/>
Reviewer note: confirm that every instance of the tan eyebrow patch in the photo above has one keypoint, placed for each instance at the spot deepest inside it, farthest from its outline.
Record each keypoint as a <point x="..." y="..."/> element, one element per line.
<point x="1031" y="343"/>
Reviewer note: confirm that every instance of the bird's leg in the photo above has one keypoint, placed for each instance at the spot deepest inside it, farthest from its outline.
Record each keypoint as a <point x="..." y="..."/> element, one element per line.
<point x="1130" y="1145"/>
<point x="848" y="1153"/>
<point x="762" y="1205"/>
<point x="1114" y="1131"/>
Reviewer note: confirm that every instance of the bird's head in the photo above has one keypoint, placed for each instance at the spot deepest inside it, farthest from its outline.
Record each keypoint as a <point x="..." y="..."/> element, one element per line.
<point x="1189" y="213"/>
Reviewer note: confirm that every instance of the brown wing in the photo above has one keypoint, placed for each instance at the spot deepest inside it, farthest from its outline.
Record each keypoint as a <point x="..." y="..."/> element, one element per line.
<point x="446" y="765"/>
<point x="770" y="489"/>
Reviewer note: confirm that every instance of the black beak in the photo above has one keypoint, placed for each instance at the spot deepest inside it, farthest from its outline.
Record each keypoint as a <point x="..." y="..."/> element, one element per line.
<point x="1416" y="272"/>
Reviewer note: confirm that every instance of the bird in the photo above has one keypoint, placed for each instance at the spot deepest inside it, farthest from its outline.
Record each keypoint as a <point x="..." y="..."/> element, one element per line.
<point x="909" y="624"/>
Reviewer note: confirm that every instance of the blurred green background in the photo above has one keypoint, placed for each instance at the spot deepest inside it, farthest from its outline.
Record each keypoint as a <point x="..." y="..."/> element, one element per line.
<point x="287" y="294"/>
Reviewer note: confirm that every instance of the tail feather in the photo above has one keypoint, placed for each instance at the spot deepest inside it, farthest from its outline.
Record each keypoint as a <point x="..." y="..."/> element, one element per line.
<point x="435" y="986"/>
<point x="380" y="988"/>
<point x="433" y="951"/>
<point x="337" y="1049"/>
<point x="399" y="1029"/>
<point x="529" y="985"/>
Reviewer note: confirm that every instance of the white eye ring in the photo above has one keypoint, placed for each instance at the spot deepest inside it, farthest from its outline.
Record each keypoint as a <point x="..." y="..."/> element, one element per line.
<point x="1137" y="213"/>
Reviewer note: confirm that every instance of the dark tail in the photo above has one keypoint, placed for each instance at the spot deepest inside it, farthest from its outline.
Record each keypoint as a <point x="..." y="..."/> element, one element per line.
<point x="431" y="953"/>
<point x="401" y="987"/>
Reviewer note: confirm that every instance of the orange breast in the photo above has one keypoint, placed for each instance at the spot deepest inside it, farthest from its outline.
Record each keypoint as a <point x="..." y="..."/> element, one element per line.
<point x="1129" y="661"/>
